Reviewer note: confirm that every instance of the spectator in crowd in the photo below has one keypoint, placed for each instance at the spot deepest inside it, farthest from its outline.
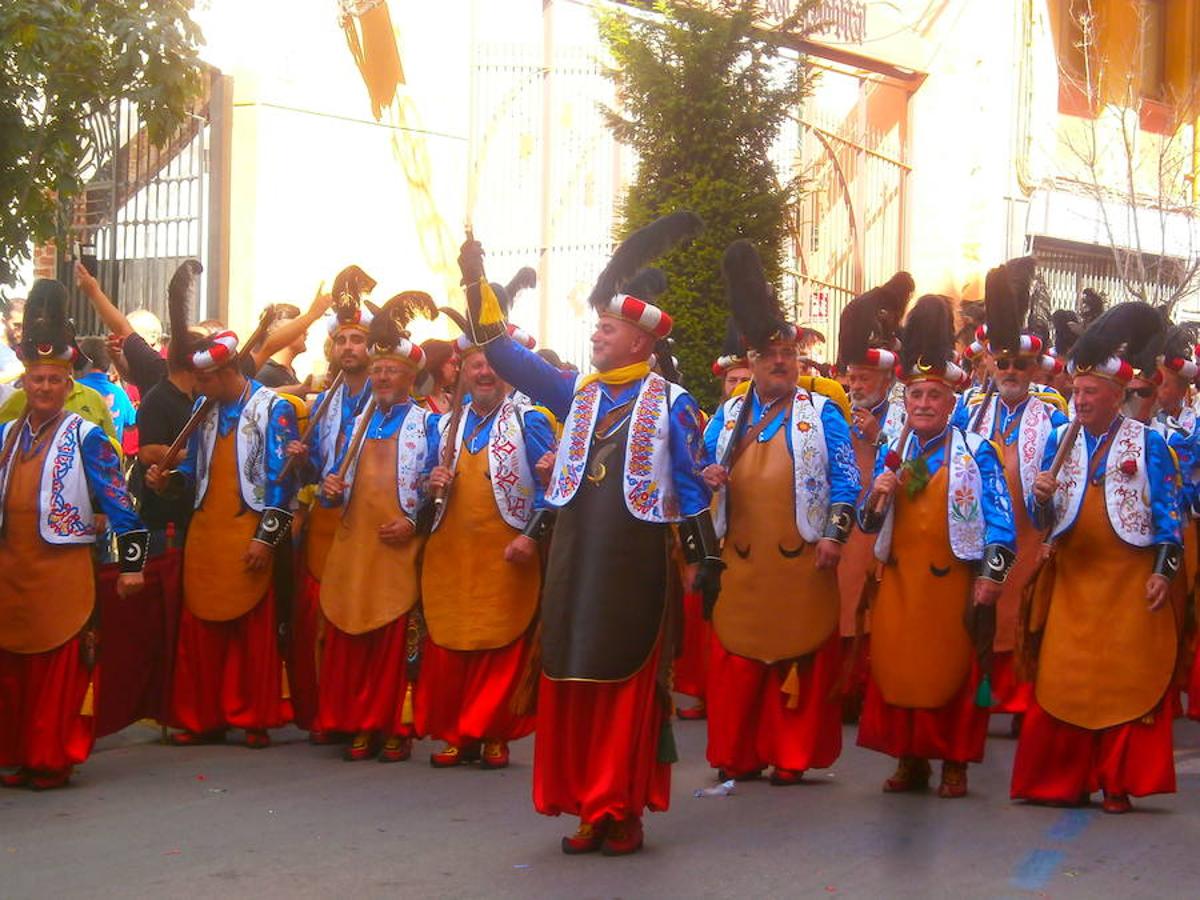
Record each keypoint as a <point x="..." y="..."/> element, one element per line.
<point x="278" y="372"/>
<point x="10" y="365"/>
<point x="94" y="369"/>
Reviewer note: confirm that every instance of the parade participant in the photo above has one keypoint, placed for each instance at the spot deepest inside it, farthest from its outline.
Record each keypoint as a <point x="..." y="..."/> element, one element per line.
<point x="278" y="372"/>
<point x="946" y="541"/>
<point x="784" y="465"/>
<point x="1017" y="420"/>
<point x="868" y="349"/>
<point x="1100" y="719"/>
<point x="731" y="367"/>
<point x="228" y="668"/>
<point x="627" y="467"/>
<point x="436" y="388"/>
<point x="479" y="605"/>
<point x="370" y="581"/>
<point x="347" y="323"/>
<point x="47" y="581"/>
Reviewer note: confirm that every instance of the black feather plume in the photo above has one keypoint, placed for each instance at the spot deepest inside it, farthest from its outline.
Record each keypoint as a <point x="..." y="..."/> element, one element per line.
<point x="1066" y="330"/>
<point x="873" y="319"/>
<point x="409" y="305"/>
<point x="928" y="333"/>
<point x="348" y="287"/>
<point x="639" y="250"/>
<point x="751" y="299"/>
<point x="1004" y="315"/>
<point x="1091" y="306"/>
<point x="649" y="284"/>
<point x="524" y="280"/>
<point x="180" y="293"/>
<point x="1179" y="341"/>
<point x="733" y="344"/>
<point x="1128" y="330"/>
<point x="46" y="322"/>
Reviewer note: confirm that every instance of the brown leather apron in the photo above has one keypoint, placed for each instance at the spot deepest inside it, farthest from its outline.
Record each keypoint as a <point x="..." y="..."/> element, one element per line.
<point x="46" y="590"/>
<point x="217" y="586"/>
<point x="920" y="650"/>
<point x="471" y="597"/>
<point x="1029" y="551"/>
<point x="1105" y="658"/>
<point x="318" y="537"/>
<point x="775" y="604"/>
<point x="858" y="553"/>
<point x="368" y="584"/>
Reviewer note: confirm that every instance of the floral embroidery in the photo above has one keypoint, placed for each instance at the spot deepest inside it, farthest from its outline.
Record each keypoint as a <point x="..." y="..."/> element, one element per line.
<point x="570" y="473"/>
<point x="63" y="517"/>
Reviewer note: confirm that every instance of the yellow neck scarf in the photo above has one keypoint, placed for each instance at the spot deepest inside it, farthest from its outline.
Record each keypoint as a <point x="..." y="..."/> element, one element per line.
<point x="623" y="375"/>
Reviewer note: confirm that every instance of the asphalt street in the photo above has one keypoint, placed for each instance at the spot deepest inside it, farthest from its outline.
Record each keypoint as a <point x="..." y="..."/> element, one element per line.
<point x="296" y="821"/>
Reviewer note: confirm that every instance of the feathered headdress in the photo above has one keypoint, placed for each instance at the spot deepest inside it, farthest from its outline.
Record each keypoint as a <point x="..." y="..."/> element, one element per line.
<point x="524" y="280"/>
<point x="387" y="335"/>
<point x="1067" y="329"/>
<point x="47" y="335"/>
<point x="346" y="310"/>
<point x="180" y="292"/>
<point x="1179" y="347"/>
<point x="733" y="351"/>
<point x="1091" y="306"/>
<point x="1007" y="303"/>
<point x="1122" y="340"/>
<point x="753" y="302"/>
<point x="611" y="295"/>
<point x="927" y="343"/>
<point x="869" y="324"/>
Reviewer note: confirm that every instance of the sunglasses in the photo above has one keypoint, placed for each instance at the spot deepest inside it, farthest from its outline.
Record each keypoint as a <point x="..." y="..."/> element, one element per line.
<point x="1020" y="364"/>
<point x="1144" y="392"/>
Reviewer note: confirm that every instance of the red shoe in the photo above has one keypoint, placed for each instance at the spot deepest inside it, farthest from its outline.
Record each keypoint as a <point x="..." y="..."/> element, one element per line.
<point x="322" y="738"/>
<point x="396" y="749"/>
<point x="452" y="755"/>
<point x="1116" y="804"/>
<point x="954" y="781"/>
<point x="495" y="755"/>
<point x="691" y="714"/>
<point x="912" y="774"/>
<point x="195" y="739"/>
<point x="726" y="774"/>
<point x="48" y="781"/>
<point x="257" y="738"/>
<point x="624" y="837"/>
<point x="19" y="778"/>
<point x="362" y="747"/>
<point x="588" y="839"/>
<point x="786" y="777"/>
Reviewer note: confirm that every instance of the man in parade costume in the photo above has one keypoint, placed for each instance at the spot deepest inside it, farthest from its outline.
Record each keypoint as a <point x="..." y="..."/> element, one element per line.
<point x="347" y="323"/>
<point x="57" y="472"/>
<point x="1017" y="420"/>
<point x="370" y="581"/>
<point x="481" y="574"/>
<point x="867" y="352"/>
<point x="627" y="467"/>
<point x="783" y="460"/>
<point x="946" y="541"/>
<point x="1100" y="719"/>
<point x="228" y="668"/>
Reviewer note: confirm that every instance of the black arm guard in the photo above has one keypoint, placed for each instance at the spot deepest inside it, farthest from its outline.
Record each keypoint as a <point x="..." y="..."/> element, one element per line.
<point x="273" y="526"/>
<point x="869" y="520"/>
<point x="996" y="563"/>
<point x="132" y="548"/>
<point x="1167" y="560"/>
<point x="841" y="522"/>
<point x="699" y="538"/>
<point x="540" y="524"/>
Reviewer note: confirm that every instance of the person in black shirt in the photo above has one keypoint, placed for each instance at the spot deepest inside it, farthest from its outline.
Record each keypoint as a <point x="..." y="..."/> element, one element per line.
<point x="165" y="409"/>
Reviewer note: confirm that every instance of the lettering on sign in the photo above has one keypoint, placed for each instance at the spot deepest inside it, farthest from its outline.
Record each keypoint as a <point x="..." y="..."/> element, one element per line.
<point x="843" y="20"/>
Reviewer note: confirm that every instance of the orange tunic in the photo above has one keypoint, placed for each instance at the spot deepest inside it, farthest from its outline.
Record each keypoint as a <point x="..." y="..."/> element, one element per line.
<point x="366" y="583"/>
<point x="921" y="652"/>
<point x="471" y="597"/>
<point x="217" y="586"/>
<point x="1029" y="552"/>
<point x="775" y="604"/>
<point x="1105" y="658"/>
<point x="46" y="590"/>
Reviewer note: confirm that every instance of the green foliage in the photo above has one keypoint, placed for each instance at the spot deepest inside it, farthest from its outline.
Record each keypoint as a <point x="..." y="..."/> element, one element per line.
<point x="704" y="91"/>
<point x="61" y="63"/>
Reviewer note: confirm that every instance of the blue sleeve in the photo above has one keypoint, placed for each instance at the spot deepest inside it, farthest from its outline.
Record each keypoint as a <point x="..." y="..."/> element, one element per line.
<point x="961" y="417"/>
<point x="1041" y="516"/>
<point x="187" y="466"/>
<point x="433" y="443"/>
<point x="688" y="457"/>
<point x="880" y="459"/>
<point x="996" y="504"/>
<point x="1164" y="490"/>
<point x="102" y="467"/>
<point x="281" y="429"/>
<point x="314" y="443"/>
<point x="845" y="482"/>
<point x="539" y="440"/>
<point x="712" y="432"/>
<point x="532" y="375"/>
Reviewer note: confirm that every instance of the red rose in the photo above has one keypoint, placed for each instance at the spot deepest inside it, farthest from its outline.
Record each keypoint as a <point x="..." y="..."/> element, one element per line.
<point x="892" y="460"/>
<point x="1129" y="467"/>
